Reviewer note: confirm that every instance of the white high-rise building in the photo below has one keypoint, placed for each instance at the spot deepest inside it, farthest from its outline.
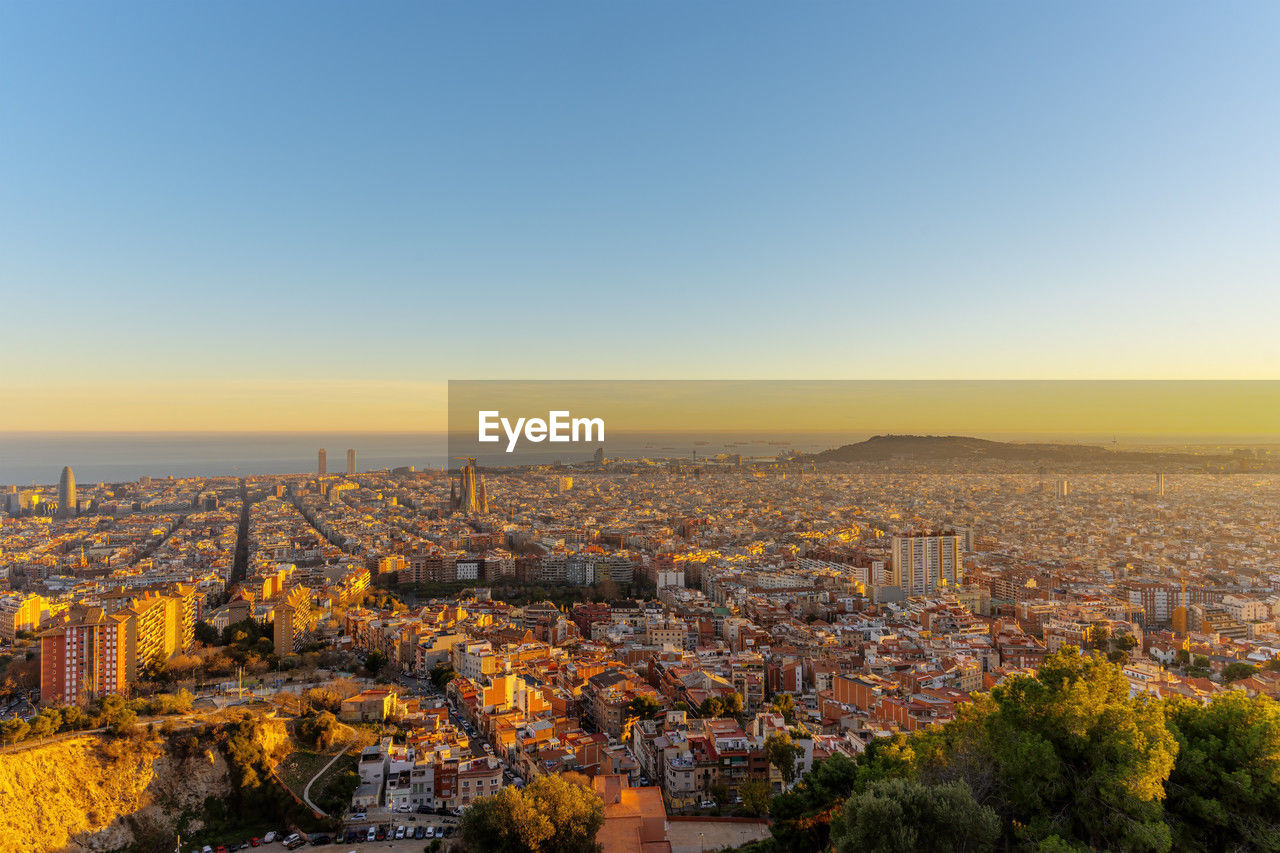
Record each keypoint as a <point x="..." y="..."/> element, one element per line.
<point x="925" y="562"/>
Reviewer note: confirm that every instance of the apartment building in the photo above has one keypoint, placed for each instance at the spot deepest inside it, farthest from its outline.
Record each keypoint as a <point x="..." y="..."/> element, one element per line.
<point x="84" y="656"/>
<point x="924" y="562"/>
<point x="294" y="621"/>
<point x="19" y="612"/>
<point x="373" y="705"/>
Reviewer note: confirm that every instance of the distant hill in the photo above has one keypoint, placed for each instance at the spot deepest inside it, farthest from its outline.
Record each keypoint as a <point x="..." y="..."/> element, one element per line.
<point x="882" y="448"/>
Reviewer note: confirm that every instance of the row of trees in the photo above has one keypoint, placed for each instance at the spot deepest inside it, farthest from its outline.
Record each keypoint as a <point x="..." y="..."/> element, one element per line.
<point x="1197" y="666"/>
<point x="728" y="705"/>
<point x="114" y="713"/>
<point x="1063" y="760"/>
<point x="245" y="646"/>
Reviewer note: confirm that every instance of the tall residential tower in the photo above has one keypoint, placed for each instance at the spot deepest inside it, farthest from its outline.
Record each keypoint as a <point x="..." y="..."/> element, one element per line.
<point x="925" y="562"/>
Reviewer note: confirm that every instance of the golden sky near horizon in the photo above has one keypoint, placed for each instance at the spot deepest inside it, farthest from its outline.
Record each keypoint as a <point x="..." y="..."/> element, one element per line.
<point x="967" y="407"/>
<point x="207" y="404"/>
<point x="1122" y="407"/>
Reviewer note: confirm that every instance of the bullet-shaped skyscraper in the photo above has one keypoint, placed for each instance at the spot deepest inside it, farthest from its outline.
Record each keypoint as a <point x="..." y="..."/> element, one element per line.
<point x="351" y="461"/>
<point x="320" y="466"/>
<point x="67" y="493"/>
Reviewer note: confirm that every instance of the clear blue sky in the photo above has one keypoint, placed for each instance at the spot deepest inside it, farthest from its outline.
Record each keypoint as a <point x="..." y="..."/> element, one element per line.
<point x="291" y="194"/>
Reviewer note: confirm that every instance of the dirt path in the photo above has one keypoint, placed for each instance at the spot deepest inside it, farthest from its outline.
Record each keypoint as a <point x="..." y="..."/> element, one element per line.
<point x="306" y="792"/>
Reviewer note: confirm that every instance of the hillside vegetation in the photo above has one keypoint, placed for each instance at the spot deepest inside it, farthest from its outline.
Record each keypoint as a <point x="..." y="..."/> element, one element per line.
<point x="1063" y="760"/>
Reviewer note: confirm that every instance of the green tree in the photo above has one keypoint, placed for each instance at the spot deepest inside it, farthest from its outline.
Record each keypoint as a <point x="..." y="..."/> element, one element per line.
<point x="720" y="793"/>
<point x="783" y="753"/>
<point x="442" y="674"/>
<point x="320" y="730"/>
<point x="1072" y="754"/>
<point x="505" y="821"/>
<point x="1224" y="792"/>
<point x="42" y="726"/>
<point x="172" y="703"/>
<point x="785" y="704"/>
<point x="576" y="812"/>
<point x="122" y="721"/>
<point x="206" y="633"/>
<point x="550" y="814"/>
<point x="802" y="816"/>
<point x="14" y="731"/>
<point x="73" y="719"/>
<point x="375" y="662"/>
<point x="711" y="707"/>
<point x="643" y="707"/>
<point x="755" y="796"/>
<point x="1237" y="670"/>
<point x="901" y="816"/>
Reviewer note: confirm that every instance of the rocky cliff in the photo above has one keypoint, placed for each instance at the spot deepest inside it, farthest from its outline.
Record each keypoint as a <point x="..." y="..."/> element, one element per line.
<point x="100" y="794"/>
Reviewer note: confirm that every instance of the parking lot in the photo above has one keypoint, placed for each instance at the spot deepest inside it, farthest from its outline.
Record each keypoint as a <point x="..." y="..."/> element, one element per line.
<point x="399" y="846"/>
<point x="436" y="830"/>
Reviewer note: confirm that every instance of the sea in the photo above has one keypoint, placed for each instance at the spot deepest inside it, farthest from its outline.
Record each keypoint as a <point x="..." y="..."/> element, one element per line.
<point x="28" y="458"/>
<point x="37" y="458"/>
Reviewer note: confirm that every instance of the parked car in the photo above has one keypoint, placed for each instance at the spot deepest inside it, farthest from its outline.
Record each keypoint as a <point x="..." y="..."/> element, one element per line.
<point x="373" y="834"/>
<point x="420" y="832"/>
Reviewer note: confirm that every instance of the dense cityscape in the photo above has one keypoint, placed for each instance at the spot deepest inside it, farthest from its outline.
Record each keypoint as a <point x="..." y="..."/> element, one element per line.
<point x="689" y="636"/>
<point x="583" y="427"/>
